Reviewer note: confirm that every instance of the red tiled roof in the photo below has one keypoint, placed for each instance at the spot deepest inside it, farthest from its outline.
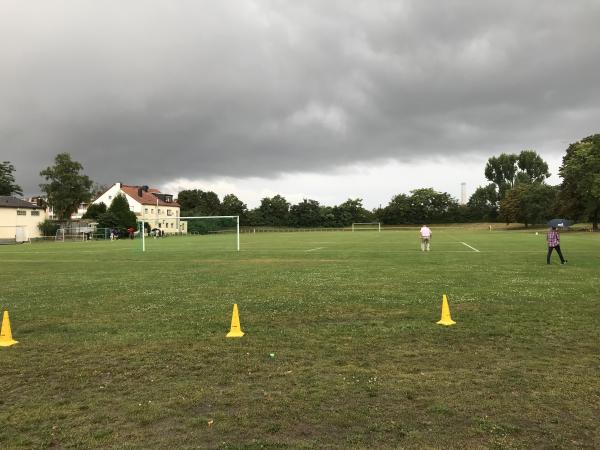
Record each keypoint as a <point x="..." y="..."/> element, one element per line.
<point x="147" y="197"/>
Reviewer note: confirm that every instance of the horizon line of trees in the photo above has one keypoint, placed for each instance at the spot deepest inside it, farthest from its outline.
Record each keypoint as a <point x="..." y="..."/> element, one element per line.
<point x="517" y="193"/>
<point x="421" y="205"/>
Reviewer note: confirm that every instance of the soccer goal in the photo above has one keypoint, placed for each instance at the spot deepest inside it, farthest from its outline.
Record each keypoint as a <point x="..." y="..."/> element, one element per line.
<point x="366" y="226"/>
<point x="74" y="231"/>
<point x="218" y="230"/>
<point x="13" y="234"/>
<point x="64" y="235"/>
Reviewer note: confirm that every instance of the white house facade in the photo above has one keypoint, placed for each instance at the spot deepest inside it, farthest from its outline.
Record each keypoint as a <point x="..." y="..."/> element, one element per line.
<point x="159" y="210"/>
<point x="19" y="219"/>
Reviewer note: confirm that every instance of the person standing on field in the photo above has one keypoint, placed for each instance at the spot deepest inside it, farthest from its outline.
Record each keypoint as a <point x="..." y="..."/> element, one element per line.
<point x="553" y="238"/>
<point x="425" y="233"/>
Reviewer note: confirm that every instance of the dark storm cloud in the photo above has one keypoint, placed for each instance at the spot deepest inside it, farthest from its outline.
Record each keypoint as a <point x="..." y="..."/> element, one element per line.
<point x="147" y="91"/>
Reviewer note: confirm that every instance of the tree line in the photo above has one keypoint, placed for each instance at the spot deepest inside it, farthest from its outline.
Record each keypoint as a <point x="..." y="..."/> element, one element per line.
<point x="517" y="193"/>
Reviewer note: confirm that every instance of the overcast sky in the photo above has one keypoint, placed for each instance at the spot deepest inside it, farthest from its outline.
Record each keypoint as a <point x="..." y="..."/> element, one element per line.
<point x="318" y="99"/>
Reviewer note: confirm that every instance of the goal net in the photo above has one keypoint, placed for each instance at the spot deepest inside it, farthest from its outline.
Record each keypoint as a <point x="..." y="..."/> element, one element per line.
<point x="64" y="235"/>
<point x="213" y="232"/>
<point x="13" y="234"/>
<point x="366" y="226"/>
<point x="75" y="231"/>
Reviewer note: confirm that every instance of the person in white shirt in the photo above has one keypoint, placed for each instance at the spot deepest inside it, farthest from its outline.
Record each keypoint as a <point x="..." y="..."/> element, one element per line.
<point x="425" y="238"/>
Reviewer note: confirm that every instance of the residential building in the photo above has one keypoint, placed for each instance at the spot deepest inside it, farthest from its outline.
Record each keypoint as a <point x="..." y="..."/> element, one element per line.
<point x="81" y="210"/>
<point x="43" y="201"/>
<point x="19" y="219"/>
<point x="159" y="210"/>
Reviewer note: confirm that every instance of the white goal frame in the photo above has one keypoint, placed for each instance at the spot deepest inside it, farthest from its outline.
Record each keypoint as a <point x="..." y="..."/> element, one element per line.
<point x="237" y="227"/>
<point x="79" y="236"/>
<point x="378" y="224"/>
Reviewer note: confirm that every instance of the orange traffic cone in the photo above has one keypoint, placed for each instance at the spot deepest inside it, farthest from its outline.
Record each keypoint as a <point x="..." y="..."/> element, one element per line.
<point x="446" y="318"/>
<point x="236" y="330"/>
<point x="6" y="339"/>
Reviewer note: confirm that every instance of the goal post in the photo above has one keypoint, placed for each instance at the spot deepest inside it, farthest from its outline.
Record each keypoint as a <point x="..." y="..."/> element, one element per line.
<point x="366" y="226"/>
<point x="189" y="226"/>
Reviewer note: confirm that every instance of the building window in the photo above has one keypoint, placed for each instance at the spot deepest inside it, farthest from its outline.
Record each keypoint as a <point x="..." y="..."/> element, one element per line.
<point x="35" y="213"/>
<point x="152" y="211"/>
<point x="169" y="212"/>
<point x="110" y="197"/>
<point x="159" y="211"/>
<point x="159" y="225"/>
<point x="146" y="210"/>
<point x="21" y="213"/>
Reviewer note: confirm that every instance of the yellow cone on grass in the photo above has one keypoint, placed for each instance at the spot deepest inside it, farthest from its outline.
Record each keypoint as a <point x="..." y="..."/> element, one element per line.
<point x="6" y="339"/>
<point x="236" y="330"/>
<point x="446" y="318"/>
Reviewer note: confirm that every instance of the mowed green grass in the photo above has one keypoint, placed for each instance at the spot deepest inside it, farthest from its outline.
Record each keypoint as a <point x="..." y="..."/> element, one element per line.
<point x="124" y="349"/>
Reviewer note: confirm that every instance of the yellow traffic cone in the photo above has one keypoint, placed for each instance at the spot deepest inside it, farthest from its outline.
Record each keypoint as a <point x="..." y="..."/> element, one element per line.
<point x="235" y="331"/>
<point x="6" y="339"/>
<point x="446" y="319"/>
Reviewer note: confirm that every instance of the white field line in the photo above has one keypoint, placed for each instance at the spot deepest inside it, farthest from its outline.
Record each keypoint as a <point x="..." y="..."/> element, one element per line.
<point x="473" y="248"/>
<point x="262" y="251"/>
<point x="24" y="252"/>
<point x="314" y="249"/>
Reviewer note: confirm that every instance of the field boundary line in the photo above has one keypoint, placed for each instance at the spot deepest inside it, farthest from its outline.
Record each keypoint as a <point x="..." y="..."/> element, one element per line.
<point x="314" y="249"/>
<point x="473" y="248"/>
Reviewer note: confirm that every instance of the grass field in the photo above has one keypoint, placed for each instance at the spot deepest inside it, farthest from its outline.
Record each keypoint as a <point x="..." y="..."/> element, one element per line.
<point x="123" y="349"/>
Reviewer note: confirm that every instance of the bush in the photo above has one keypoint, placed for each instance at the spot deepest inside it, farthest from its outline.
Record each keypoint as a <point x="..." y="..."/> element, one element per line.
<point x="48" y="227"/>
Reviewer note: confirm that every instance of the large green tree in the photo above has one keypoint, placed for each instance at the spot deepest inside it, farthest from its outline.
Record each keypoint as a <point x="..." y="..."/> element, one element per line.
<point x="188" y="199"/>
<point x="65" y="186"/>
<point x="397" y="211"/>
<point x="430" y="206"/>
<point x="307" y="214"/>
<point x="501" y="170"/>
<point x="351" y="211"/>
<point x="118" y="215"/>
<point x="508" y="169"/>
<point x="94" y="211"/>
<point x="327" y="216"/>
<point x="7" y="180"/>
<point x="529" y="203"/>
<point x="532" y="168"/>
<point x="196" y="202"/>
<point x="580" y="189"/>
<point x="424" y="205"/>
<point x="274" y="211"/>
<point x="483" y="204"/>
<point x="233" y="206"/>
